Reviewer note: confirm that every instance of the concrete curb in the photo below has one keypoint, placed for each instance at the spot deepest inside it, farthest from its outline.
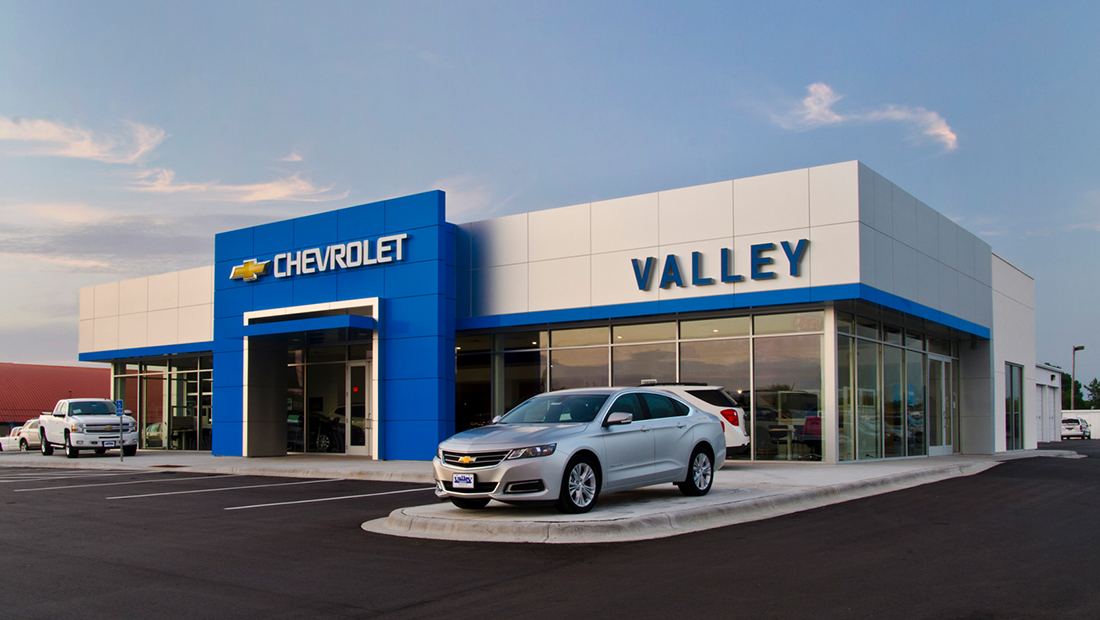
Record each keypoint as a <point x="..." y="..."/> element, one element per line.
<point x="410" y="522"/>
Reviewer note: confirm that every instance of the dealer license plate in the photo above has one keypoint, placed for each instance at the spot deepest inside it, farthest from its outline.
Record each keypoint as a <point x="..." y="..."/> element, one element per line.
<point x="108" y="444"/>
<point x="462" y="481"/>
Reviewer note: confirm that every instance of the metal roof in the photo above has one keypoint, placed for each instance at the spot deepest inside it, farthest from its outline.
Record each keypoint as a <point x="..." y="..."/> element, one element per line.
<point x="26" y="390"/>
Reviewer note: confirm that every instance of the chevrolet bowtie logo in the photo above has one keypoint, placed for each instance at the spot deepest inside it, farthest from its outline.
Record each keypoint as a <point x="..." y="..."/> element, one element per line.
<point x="250" y="270"/>
<point x="466" y="459"/>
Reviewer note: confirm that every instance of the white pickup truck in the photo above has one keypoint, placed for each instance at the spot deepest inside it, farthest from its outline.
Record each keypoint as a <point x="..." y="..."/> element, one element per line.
<point x="87" y="424"/>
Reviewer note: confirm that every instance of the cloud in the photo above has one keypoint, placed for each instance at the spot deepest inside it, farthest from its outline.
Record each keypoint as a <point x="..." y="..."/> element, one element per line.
<point x="469" y="198"/>
<point x="50" y="138"/>
<point x="816" y="110"/>
<point x="293" y="188"/>
<point x="294" y="156"/>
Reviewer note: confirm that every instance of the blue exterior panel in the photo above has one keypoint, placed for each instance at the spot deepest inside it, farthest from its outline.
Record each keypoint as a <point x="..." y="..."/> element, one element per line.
<point x="417" y="315"/>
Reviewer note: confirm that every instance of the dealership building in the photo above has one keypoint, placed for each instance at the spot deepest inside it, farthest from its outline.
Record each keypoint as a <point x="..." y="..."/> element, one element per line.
<point x="851" y="321"/>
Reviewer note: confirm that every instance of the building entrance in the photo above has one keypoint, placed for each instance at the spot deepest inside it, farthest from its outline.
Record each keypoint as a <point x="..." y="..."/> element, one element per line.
<point x="942" y="406"/>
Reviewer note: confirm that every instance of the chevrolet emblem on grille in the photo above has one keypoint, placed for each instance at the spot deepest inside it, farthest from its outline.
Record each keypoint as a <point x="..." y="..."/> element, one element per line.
<point x="466" y="459"/>
<point x="108" y="428"/>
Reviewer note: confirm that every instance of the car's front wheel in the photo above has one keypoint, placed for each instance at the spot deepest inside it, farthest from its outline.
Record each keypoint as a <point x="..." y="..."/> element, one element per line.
<point x="470" y="503"/>
<point x="580" y="486"/>
<point x="700" y="473"/>
<point x="70" y="450"/>
<point x="129" y="450"/>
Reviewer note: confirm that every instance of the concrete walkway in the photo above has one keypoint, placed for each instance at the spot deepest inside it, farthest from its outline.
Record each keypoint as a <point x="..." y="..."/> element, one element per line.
<point x="743" y="491"/>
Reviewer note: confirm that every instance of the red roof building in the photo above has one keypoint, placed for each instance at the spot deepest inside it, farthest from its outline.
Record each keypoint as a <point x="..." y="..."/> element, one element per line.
<point x="26" y="390"/>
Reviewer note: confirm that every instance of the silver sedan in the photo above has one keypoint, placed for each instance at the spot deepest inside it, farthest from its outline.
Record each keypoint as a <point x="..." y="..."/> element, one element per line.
<point x="567" y="447"/>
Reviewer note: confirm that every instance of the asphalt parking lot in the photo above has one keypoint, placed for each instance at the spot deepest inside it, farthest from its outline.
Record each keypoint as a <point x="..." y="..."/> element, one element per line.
<point x="169" y="544"/>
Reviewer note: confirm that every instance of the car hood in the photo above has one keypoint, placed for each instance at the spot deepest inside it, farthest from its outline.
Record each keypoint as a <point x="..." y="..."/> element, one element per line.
<point x="107" y="418"/>
<point x="502" y="436"/>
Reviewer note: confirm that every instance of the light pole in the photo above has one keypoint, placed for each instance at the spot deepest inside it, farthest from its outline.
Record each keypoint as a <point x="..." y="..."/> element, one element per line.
<point x="1073" y="378"/>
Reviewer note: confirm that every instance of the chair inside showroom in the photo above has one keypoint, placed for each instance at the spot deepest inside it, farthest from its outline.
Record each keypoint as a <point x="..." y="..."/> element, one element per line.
<point x="781" y="435"/>
<point x="810" y="436"/>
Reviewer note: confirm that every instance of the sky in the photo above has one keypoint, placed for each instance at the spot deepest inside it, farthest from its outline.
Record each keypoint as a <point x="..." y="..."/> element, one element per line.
<point x="132" y="132"/>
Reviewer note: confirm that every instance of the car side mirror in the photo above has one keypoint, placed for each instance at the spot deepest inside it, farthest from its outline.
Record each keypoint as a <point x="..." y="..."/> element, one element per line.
<point x="618" y="418"/>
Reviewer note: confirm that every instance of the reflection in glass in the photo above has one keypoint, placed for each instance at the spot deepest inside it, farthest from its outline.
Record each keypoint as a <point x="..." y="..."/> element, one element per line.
<point x="579" y="337"/>
<point x="636" y="363"/>
<point x="295" y="409"/>
<point x="522" y="340"/>
<point x="575" y="368"/>
<point x="521" y="376"/>
<point x="869" y="443"/>
<point x="787" y="395"/>
<point x="471" y="344"/>
<point x="914" y="409"/>
<point x="813" y="321"/>
<point x="472" y="391"/>
<point x="650" y="332"/>
<point x="845" y="402"/>
<point x="325" y="408"/>
<point x="715" y="328"/>
<point x="724" y="363"/>
<point x="868" y="328"/>
<point x="893" y="427"/>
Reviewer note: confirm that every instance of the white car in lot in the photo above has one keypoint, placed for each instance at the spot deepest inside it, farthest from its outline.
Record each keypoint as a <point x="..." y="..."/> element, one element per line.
<point x="21" y="438"/>
<point x="716" y="401"/>
<point x="1076" y="427"/>
<point x="568" y="447"/>
<point x="11" y="442"/>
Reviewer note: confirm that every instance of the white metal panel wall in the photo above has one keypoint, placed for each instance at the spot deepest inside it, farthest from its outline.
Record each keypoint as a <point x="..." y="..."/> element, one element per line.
<point x="166" y="309"/>
<point x="1013" y="341"/>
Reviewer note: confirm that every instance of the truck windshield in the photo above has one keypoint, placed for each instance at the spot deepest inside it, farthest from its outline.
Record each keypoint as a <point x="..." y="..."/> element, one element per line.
<point x="91" y="407"/>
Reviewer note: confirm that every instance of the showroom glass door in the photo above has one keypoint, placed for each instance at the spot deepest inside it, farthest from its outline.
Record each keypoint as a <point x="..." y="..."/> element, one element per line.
<point x="358" y="398"/>
<point x="941" y="396"/>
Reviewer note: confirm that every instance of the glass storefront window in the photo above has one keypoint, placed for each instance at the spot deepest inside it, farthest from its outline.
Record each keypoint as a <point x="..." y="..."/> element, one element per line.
<point x="326" y="354"/>
<point x="718" y="362"/>
<point x="939" y="346"/>
<point x="869" y="432"/>
<point x="633" y="364"/>
<point x="473" y="344"/>
<point x="867" y="328"/>
<point x="787" y="395"/>
<point x="891" y="334"/>
<point x="522" y="340"/>
<point x="914" y="340"/>
<point x="473" y="406"/>
<point x="715" y="328"/>
<point x="652" y="332"/>
<point x="522" y="375"/>
<point x="893" y="426"/>
<point x="845" y="323"/>
<point x="914" y="406"/>
<point x="586" y="336"/>
<point x="765" y="324"/>
<point x="295" y="409"/>
<point x="846" y="440"/>
<point x="575" y="368"/>
<point x="325" y="408"/>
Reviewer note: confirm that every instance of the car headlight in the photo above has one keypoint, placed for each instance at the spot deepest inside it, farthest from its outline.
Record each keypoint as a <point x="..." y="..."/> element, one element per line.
<point x="76" y="427"/>
<point x="439" y="454"/>
<point x="523" y="453"/>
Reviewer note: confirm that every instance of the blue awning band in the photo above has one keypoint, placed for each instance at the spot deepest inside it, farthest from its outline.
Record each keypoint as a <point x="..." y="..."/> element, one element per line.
<point x="305" y="325"/>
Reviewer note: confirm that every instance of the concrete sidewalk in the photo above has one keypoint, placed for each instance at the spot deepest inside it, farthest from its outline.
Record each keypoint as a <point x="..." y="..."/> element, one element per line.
<point x="743" y="491"/>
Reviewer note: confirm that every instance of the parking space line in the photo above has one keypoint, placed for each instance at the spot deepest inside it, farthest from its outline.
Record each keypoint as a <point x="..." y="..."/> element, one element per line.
<point x="251" y="486"/>
<point x="115" y="484"/>
<point x="328" y="499"/>
<point x="125" y="473"/>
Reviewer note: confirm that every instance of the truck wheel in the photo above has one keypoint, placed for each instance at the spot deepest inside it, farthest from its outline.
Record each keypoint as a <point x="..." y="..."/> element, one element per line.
<point x="129" y="450"/>
<point x="22" y="445"/>
<point x="101" y="450"/>
<point x="47" y="449"/>
<point x="70" y="451"/>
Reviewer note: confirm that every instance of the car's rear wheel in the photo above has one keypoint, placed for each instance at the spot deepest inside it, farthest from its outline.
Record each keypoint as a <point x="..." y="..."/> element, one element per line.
<point x="700" y="475"/>
<point x="470" y="503"/>
<point x="47" y="449"/>
<point x="22" y="445"/>
<point x="70" y="451"/>
<point x="580" y="486"/>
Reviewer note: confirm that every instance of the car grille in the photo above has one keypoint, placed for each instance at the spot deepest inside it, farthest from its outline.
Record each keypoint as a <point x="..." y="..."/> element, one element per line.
<point x="480" y="459"/>
<point x="102" y="429"/>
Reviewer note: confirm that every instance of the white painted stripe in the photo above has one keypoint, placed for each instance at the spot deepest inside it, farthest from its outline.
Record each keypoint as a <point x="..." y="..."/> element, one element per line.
<point x="115" y="484"/>
<point x="329" y="499"/>
<point x="251" y="486"/>
<point x="125" y="473"/>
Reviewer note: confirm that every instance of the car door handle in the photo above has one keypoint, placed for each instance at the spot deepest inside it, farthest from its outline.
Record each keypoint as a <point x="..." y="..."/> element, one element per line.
<point x="646" y="429"/>
<point x="681" y="424"/>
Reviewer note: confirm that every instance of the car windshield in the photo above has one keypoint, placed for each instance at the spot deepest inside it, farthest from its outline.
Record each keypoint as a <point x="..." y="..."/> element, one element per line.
<point x="91" y="407"/>
<point x="556" y="409"/>
<point x="1069" y="421"/>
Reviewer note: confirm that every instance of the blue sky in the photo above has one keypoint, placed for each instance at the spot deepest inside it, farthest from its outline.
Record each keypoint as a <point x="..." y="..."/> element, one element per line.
<point x="131" y="132"/>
